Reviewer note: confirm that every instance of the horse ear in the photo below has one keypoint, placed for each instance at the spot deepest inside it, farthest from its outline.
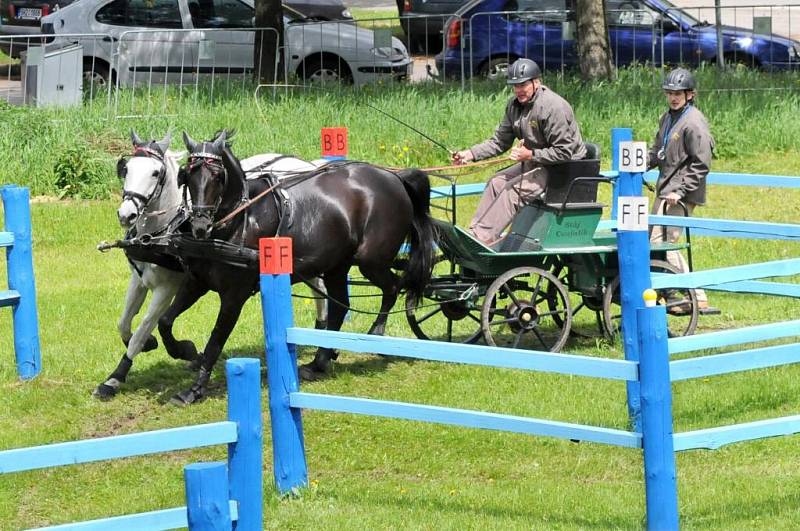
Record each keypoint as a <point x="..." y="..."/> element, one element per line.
<point x="219" y="142"/>
<point x="190" y="144"/>
<point x="135" y="138"/>
<point x="163" y="145"/>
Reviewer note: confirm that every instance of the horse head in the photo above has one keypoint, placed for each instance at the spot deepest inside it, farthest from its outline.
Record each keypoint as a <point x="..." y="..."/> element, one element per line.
<point x="144" y="175"/>
<point x="213" y="178"/>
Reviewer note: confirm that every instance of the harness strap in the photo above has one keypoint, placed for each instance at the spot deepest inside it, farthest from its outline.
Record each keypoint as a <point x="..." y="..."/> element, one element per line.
<point x="244" y="206"/>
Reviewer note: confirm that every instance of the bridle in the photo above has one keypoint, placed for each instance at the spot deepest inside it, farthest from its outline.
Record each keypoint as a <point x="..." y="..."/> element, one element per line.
<point x="141" y="201"/>
<point x="213" y="163"/>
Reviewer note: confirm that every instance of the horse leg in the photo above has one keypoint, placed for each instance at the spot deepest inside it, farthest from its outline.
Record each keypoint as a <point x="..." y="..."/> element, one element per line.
<point x="321" y="304"/>
<point x="134" y="298"/>
<point x="336" y="286"/>
<point x="387" y="281"/>
<point x="188" y="293"/>
<point x="164" y="290"/>
<point x="231" y="304"/>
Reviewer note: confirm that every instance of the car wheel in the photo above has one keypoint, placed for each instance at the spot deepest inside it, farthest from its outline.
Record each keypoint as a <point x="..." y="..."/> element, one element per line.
<point x="326" y="71"/>
<point x="496" y="68"/>
<point x="96" y="79"/>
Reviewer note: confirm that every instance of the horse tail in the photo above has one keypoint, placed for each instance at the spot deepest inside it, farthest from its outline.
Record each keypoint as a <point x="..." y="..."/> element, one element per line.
<point x="421" y="238"/>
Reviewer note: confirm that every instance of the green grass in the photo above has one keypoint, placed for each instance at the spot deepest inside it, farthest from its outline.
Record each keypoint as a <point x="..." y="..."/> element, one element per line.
<point x="373" y="473"/>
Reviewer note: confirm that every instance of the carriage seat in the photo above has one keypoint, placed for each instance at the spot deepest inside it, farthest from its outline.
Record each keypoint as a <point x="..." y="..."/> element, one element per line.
<point x="568" y="212"/>
<point x="561" y="176"/>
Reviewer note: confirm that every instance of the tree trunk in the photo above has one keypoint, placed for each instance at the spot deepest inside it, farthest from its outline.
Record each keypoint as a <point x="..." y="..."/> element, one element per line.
<point x="269" y="14"/>
<point x="592" y="41"/>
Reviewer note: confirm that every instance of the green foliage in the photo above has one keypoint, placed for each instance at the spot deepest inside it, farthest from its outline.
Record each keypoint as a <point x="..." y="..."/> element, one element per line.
<point x="81" y="174"/>
<point x="375" y="473"/>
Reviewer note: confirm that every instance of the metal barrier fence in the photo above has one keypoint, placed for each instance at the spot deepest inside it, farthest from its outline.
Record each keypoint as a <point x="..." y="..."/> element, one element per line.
<point x="235" y="494"/>
<point x="160" y="69"/>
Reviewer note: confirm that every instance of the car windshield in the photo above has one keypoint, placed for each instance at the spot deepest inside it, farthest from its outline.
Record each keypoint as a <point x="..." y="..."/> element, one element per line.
<point x="678" y="14"/>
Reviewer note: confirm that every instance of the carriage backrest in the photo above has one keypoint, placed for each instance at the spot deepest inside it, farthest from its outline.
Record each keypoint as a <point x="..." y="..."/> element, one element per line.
<point x="561" y="176"/>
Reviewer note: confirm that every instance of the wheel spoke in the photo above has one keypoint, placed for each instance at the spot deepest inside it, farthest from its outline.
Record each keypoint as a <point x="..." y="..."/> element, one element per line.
<point x="429" y="315"/>
<point x="476" y="318"/>
<point x="537" y="288"/>
<point x="510" y="293"/>
<point x="503" y="321"/>
<point x="539" y="336"/>
<point x="517" y="338"/>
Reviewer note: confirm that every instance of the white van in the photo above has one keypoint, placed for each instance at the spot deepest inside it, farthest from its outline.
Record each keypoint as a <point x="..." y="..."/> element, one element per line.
<point x="173" y="41"/>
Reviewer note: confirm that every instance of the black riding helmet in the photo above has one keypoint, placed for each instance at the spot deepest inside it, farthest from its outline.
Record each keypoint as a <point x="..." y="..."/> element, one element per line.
<point x="679" y="79"/>
<point x="523" y="70"/>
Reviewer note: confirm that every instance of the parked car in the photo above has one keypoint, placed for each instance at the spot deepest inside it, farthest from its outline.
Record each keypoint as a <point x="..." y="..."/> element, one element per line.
<point x="486" y="35"/>
<point x="23" y="17"/>
<point x="423" y="20"/>
<point x="168" y="41"/>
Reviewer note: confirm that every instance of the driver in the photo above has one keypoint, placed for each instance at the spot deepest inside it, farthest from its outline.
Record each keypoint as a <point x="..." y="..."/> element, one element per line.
<point x="545" y="126"/>
<point x="682" y="151"/>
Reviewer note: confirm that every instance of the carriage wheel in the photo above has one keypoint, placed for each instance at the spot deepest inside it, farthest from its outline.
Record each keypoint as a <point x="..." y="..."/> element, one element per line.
<point x="528" y="308"/>
<point x="451" y="320"/>
<point x="678" y="323"/>
<point x="587" y="312"/>
<point x="438" y="315"/>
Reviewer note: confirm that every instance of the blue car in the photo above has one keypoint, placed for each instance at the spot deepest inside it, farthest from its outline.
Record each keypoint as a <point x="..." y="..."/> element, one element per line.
<point x="485" y="36"/>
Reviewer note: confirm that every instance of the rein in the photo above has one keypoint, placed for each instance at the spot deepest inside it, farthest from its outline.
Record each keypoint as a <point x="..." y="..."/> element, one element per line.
<point x="244" y="206"/>
<point x="462" y="169"/>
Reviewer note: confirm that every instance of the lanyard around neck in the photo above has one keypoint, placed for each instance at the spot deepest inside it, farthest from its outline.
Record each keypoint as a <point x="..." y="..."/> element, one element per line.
<point x="672" y="124"/>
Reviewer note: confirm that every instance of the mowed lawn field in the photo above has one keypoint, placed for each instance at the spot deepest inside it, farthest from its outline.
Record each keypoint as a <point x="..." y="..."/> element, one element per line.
<point x="371" y="473"/>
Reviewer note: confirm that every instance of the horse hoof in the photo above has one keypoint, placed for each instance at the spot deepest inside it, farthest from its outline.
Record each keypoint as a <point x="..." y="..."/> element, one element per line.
<point x="311" y="373"/>
<point x="184" y="350"/>
<point x="104" y="392"/>
<point x="187" y="398"/>
<point x="150" y="344"/>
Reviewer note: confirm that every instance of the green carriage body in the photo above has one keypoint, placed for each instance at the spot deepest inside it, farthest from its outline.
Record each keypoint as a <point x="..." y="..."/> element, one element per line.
<point x="557" y="236"/>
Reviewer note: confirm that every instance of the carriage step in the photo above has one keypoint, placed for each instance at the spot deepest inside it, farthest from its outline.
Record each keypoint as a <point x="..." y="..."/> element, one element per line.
<point x="6" y="239"/>
<point x="9" y="298"/>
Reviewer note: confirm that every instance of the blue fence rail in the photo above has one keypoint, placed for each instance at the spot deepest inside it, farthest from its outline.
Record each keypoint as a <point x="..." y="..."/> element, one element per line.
<point x="217" y="494"/>
<point x="21" y="293"/>
<point x="287" y="401"/>
<point x="648" y="373"/>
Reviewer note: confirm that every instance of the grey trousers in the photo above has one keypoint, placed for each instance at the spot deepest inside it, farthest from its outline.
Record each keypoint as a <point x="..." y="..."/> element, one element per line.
<point x="675" y="258"/>
<point x="502" y="198"/>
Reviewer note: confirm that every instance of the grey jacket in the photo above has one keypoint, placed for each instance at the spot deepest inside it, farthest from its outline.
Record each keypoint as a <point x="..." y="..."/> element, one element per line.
<point x="687" y="156"/>
<point x="546" y="125"/>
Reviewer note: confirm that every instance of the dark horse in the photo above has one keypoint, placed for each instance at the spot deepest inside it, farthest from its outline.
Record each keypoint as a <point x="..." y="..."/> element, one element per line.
<point x="344" y="214"/>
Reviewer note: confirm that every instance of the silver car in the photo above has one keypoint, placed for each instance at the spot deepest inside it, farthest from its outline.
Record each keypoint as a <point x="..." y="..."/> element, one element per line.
<point x="173" y="41"/>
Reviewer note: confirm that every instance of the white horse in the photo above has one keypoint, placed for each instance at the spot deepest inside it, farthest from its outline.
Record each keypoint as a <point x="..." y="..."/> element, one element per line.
<point x="151" y="199"/>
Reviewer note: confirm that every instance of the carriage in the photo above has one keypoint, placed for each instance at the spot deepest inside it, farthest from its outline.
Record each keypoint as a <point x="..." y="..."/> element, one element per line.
<point x="555" y="274"/>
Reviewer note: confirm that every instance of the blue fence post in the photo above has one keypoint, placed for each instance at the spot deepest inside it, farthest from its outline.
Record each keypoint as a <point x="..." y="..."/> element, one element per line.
<point x="288" y="448"/>
<point x="634" y="260"/>
<point x="659" y="454"/>
<point x="245" y="456"/>
<point x="16" y="204"/>
<point x="207" y="497"/>
<point x="618" y="134"/>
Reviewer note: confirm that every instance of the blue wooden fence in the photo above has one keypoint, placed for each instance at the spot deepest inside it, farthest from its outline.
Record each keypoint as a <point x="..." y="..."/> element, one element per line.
<point x="218" y="496"/>
<point x="287" y="401"/>
<point x="21" y="293"/>
<point x="648" y="372"/>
